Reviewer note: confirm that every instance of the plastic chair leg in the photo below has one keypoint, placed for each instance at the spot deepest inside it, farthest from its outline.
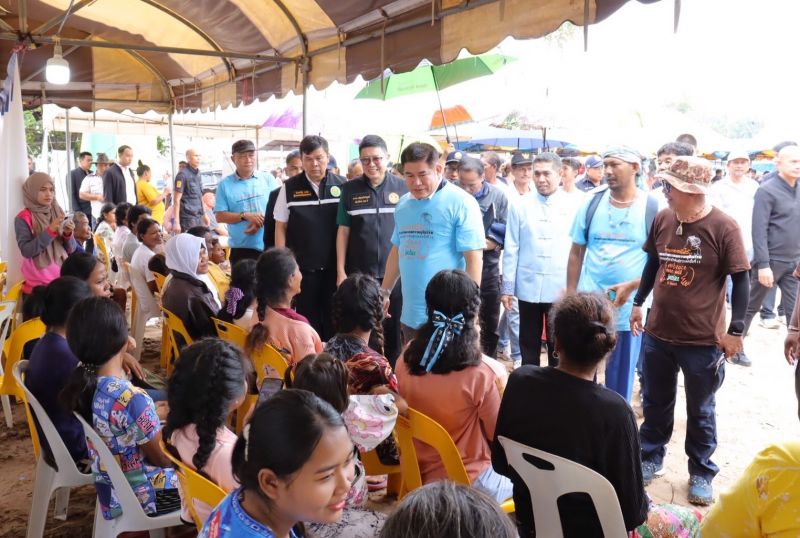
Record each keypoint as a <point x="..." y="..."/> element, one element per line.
<point x="394" y="484"/>
<point x="42" y="489"/>
<point x="7" y="411"/>
<point x="61" y="504"/>
<point x="157" y="533"/>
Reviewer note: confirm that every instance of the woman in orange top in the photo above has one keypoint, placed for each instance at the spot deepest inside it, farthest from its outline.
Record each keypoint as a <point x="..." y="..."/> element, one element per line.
<point x="275" y="322"/>
<point x="441" y="374"/>
<point x="148" y="195"/>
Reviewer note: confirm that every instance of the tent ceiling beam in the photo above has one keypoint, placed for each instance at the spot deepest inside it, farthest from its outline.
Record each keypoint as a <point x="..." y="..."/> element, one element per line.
<point x="295" y="25"/>
<point x="55" y="21"/>
<point x="27" y="95"/>
<point x="8" y="36"/>
<point x="7" y="27"/>
<point x="22" y="11"/>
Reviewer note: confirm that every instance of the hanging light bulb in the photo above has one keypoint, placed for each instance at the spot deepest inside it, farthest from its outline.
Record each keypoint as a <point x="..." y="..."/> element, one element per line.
<point x="57" y="70"/>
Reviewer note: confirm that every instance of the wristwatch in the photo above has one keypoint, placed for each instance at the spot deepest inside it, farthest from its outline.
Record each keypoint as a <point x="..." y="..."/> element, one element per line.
<point x="241" y="216"/>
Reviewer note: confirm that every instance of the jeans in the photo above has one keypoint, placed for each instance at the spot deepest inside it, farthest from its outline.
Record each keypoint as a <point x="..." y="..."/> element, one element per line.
<point x="703" y="372"/>
<point x="784" y="278"/>
<point x="532" y="321"/>
<point x="509" y="331"/>
<point x="622" y="363"/>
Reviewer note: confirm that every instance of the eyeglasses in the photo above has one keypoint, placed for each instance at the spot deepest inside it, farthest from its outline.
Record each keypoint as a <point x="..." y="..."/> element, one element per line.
<point x="367" y="160"/>
<point x="667" y="187"/>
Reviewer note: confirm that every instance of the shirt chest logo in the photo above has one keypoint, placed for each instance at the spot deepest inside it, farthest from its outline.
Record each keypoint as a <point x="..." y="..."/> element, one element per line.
<point x="336" y="191"/>
<point x="302" y="194"/>
<point x="361" y="199"/>
<point x="393" y="197"/>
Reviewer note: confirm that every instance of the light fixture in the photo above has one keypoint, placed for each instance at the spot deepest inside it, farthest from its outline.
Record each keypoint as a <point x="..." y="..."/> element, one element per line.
<point x="57" y="70"/>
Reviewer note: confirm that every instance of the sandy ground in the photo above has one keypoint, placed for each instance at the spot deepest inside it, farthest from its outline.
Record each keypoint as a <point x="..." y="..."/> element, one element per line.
<point x="755" y="407"/>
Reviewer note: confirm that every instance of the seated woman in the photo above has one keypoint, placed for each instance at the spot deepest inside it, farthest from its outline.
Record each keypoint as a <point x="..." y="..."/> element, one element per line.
<point x="447" y="509"/>
<point x="441" y="374"/>
<point x="91" y="270"/>
<point x="142" y="280"/>
<point x="185" y="295"/>
<point x="136" y="214"/>
<point x="52" y="362"/>
<point x="107" y="224"/>
<point x="240" y="298"/>
<point x="207" y="384"/>
<point x="123" y="415"/>
<point x="274" y="322"/>
<point x="295" y="463"/>
<point x="584" y="422"/>
<point x="216" y="279"/>
<point x="43" y="233"/>
<point x="121" y="233"/>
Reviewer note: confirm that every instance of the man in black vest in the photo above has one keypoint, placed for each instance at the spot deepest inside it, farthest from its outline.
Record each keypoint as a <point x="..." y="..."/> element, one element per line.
<point x="366" y="223"/>
<point x="118" y="183"/>
<point x="305" y="221"/>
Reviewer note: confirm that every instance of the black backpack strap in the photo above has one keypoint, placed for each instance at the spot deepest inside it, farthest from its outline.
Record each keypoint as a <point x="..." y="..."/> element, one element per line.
<point x="597" y="195"/>
<point x="650" y="212"/>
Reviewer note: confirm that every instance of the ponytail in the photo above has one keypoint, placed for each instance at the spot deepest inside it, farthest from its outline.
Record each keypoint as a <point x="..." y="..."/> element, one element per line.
<point x="259" y="334"/>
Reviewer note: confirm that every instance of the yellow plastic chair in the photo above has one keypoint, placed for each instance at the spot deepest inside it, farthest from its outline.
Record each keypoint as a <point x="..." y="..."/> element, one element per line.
<point x="230" y="333"/>
<point x="15" y="294"/>
<point x="134" y="306"/>
<point x="374" y="467"/>
<point x="30" y="330"/>
<point x="100" y="245"/>
<point x="160" y="280"/>
<point x="194" y="486"/>
<point x="268" y="362"/>
<point x="423" y="429"/>
<point x="176" y="327"/>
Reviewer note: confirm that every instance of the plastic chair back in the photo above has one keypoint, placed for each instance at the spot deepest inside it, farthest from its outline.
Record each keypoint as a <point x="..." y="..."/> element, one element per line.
<point x="48" y="480"/>
<point x="176" y="327"/>
<point x="159" y="281"/>
<point x="134" y="302"/>
<point x="15" y="295"/>
<point x="553" y="476"/>
<point x="13" y="348"/>
<point x="133" y="516"/>
<point x="100" y="246"/>
<point x="269" y="362"/>
<point x="7" y="313"/>
<point x="230" y="333"/>
<point x="194" y="486"/>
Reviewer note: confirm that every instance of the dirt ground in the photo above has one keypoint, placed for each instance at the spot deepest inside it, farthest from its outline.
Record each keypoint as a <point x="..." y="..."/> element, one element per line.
<point x="755" y="407"/>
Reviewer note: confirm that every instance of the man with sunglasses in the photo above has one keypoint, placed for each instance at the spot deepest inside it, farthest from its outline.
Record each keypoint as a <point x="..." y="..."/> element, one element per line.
<point x="366" y="222"/>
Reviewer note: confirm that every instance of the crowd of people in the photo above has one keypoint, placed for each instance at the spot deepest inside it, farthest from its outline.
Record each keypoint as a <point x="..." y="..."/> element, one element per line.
<point x="418" y="291"/>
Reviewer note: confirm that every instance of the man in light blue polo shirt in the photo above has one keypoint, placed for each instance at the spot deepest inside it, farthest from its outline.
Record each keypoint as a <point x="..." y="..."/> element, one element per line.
<point x="242" y="201"/>
<point x="437" y="226"/>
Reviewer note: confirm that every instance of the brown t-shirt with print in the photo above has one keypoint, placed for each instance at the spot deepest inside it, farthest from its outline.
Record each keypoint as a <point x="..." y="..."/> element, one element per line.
<point x="689" y="293"/>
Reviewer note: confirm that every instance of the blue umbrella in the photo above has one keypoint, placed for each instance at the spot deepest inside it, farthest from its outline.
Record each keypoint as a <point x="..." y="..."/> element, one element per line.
<point x="499" y="138"/>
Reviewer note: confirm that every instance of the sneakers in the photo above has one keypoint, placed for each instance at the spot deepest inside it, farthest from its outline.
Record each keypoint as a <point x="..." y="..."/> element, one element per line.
<point x="771" y="323"/>
<point x="700" y="491"/>
<point x="650" y="470"/>
<point x="741" y="359"/>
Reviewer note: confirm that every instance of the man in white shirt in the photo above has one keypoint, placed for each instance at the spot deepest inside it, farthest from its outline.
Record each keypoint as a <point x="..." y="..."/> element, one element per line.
<point x="118" y="183"/>
<point x="734" y="195"/>
<point x="92" y="185"/>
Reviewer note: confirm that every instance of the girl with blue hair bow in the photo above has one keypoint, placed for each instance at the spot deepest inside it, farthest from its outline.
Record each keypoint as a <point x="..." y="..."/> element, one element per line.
<point x="443" y="374"/>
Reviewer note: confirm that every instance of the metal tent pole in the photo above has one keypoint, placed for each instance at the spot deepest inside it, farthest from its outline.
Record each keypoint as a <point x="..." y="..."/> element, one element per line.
<point x="69" y="162"/>
<point x="171" y="149"/>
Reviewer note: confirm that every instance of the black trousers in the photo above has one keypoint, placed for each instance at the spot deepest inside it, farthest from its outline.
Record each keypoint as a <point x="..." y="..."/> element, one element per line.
<point x="243" y="254"/>
<point x="532" y="320"/>
<point x="490" y="313"/>
<point x="392" y="338"/>
<point x="782" y="273"/>
<point x="315" y="300"/>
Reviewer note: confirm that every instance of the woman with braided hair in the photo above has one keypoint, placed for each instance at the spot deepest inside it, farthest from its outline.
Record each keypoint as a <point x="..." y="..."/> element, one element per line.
<point x="207" y="384"/>
<point x="275" y="322"/>
<point x="443" y="375"/>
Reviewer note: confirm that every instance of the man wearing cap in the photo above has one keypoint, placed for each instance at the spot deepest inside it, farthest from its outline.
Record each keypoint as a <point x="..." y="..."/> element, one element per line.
<point x="188" y="201"/>
<point x="305" y="221"/>
<point x="242" y="201"/>
<point x="437" y="226"/>
<point x="91" y="189"/>
<point x="118" y="183"/>
<point x="74" y="181"/>
<point x="366" y="222"/>
<point x="451" y="165"/>
<point x="776" y="241"/>
<point x="691" y="248"/>
<point x="606" y="254"/>
<point x="494" y="208"/>
<point x="593" y="177"/>
<point x="537" y="246"/>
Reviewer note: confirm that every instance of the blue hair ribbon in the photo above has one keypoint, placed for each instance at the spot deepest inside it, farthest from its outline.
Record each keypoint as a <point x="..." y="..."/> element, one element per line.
<point x="444" y="329"/>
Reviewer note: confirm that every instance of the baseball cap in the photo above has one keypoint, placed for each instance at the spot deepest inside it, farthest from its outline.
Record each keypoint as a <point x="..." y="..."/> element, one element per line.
<point x="241" y="146"/>
<point x="454" y="157"/>
<point x="593" y="161"/>
<point x="518" y="159"/>
<point x="737" y="154"/>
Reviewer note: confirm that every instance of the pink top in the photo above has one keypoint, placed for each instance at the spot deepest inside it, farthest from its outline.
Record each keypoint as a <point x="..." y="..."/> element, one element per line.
<point x="465" y="403"/>
<point x="293" y="338"/>
<point x="217" y="467"/>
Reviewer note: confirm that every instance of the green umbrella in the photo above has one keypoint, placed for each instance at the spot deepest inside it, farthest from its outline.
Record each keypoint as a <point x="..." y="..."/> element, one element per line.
<point x="430" y="78"/>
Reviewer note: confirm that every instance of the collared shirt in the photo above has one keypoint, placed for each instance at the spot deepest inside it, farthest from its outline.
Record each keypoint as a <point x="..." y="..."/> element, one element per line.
<point x="736" y="199"/>
<point x="281" y="212"/>
<point x="189" y="183"/>
<point x="585" y="184"/>
<point x="130" y="184"/>
<point x="537" y="247"/>
<point x="93" y="184"/>
<point x="245" y="195"/>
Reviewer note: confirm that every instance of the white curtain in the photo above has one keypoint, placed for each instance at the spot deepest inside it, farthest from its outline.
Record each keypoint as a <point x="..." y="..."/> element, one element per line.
<point x="13" y="167"/>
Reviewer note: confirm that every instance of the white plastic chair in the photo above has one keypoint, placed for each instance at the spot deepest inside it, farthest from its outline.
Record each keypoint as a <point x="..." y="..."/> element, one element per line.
<point x="49" y="480"/>
<point x="547" y="485"/>
<point x="133" y="517"/>
<point x="7" y="310"/>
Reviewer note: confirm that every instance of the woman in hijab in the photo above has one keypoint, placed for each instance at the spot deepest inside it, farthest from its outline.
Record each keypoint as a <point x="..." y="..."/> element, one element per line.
<point x="186" y="295"/>
<point x="44" y="234"/>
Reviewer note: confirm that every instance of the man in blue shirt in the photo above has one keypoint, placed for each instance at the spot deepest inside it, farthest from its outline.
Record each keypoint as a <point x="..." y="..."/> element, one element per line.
<point x="607" y="256"/>
<point x="437" y="226"/>
<point x="242" y="201"/>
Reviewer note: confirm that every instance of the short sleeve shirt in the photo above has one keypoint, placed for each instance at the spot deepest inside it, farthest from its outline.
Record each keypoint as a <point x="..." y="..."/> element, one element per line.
<point x="93" y="184"/>
<point x="229" y="520"/>
<point x="125" y="417"/>
<point x="189" y="183"/>
<point x="614" y="250"/>
<point x="691" y="276"/>
<point x="432" y="235"/>
<point x="146" y="193"/>
<point x="237" y="195"/>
